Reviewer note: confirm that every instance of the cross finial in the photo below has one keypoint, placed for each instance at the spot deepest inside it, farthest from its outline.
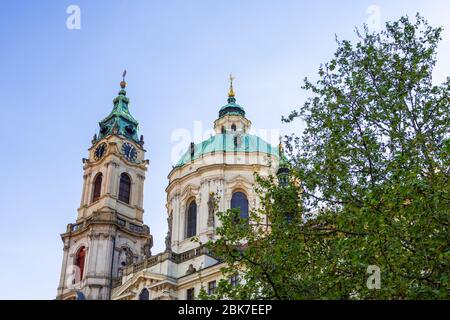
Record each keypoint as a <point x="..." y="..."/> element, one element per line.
<point x="123" y="83"/>
<point x="231" y="92"/>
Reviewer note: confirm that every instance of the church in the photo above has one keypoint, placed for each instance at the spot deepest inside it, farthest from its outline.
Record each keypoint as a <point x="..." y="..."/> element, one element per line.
<point x="107" y="250"/>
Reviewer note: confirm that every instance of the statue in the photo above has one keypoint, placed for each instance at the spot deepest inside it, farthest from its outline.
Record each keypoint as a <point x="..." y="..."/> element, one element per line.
<point x="126" y="257"/>
<point x="147" y="247"/>
<point x="169" y="233"/>
<point x="129" y="257"/>
<point x="211" y="207"/>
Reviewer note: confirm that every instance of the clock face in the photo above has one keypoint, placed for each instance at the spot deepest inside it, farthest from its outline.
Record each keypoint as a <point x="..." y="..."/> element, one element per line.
<point x="129" y="152"/>
<point x="100" y="151"/>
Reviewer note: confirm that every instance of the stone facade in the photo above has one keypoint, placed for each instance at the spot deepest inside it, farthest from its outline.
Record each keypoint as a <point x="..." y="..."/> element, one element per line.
<point x="118" y="263"/>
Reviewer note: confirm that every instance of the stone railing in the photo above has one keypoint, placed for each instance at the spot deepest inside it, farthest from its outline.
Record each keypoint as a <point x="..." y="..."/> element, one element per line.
<point x="188" y="255"/>
<point x="147" y="263"/>
<point x="74" y="227"/>
<point x="116" y="282"/>
<point x="161" y="257"/>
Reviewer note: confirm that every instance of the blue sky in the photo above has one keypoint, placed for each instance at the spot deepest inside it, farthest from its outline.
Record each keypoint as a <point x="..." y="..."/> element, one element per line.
<point x="58" y="83"/>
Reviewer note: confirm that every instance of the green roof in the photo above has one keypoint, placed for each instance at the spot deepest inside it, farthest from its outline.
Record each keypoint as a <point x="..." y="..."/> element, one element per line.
<point x="120" y="120"/>
<point x="228" y="142"/>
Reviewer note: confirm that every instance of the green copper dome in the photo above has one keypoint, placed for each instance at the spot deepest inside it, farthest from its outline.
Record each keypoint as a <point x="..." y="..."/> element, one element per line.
<point x="231" y="141"/>
<point x="227" y="143"/>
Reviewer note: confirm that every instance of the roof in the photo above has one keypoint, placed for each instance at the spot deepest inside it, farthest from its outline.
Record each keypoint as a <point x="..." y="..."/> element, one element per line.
<point x="228" y="142"/>
<point x="120" y="120"/>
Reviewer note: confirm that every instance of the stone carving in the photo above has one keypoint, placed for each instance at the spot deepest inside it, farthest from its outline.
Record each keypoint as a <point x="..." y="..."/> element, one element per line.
<point x="126" y="257"/>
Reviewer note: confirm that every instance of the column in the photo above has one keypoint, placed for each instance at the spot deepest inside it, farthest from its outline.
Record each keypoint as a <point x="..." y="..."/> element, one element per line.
<point x="109" y="177"/>
<point x="87" y="188"/>
<point x="83" y="193"/>
<point x="62" y="281"/>
<point x="114" y="181"/>
<point x="138" y="196"/>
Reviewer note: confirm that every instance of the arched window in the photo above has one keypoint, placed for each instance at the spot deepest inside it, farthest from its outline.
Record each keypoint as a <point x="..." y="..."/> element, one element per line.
<point x="233" y="127"/>
<point x="97" y="187"/>
<point x="239" y="201"/>
<point x="191" y="220"/>
<point x="144" y="294"/>
<point x="79" y="260"/>
<point x="125" y="188"/>
<point x="288" y="217"/>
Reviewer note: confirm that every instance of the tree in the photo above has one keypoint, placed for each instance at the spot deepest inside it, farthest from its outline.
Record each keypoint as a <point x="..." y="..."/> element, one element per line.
<point x="373" y="163"/>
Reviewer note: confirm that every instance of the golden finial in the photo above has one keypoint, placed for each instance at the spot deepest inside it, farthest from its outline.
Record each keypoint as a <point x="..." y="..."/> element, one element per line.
<point x="123" y="84"/>
<point x="231" y="92"/>
<point x="280" y="146"/>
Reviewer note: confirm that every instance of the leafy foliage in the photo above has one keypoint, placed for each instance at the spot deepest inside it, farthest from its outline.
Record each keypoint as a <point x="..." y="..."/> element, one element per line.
<point x="373" y="163"/>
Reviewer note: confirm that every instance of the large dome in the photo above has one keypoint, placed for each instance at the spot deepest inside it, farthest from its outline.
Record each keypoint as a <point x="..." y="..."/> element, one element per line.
<point x="229" y="142"/>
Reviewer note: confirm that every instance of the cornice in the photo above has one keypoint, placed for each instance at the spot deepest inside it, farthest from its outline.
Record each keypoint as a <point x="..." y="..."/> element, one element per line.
<point x="224" y="166"/>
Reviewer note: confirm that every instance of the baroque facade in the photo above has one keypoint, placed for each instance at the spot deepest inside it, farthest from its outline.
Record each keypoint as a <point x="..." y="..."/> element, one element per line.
<point x="107" y="251"/>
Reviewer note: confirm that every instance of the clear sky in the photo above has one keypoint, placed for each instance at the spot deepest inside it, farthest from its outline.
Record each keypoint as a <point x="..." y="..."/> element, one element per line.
<point x="57" y="83"/>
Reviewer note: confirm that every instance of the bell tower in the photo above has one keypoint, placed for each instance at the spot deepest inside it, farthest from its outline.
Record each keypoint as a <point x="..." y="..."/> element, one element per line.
<point x="109" y="233"/>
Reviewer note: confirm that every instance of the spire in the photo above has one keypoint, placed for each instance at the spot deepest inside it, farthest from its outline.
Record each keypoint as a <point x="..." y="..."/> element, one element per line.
<point x="120" y="121"/>
<point x="232" y="107"/>
<point x="231" y="93"/>
<point x="123" y="84"/>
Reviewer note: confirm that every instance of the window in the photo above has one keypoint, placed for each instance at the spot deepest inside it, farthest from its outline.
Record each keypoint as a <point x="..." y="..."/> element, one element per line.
<point x="239" y="201"/>
<point x="97" y="187"/>
<point x="288" y="218"/>
<point x="129" y="130"/>
<point x="144" y="295"/>
<point x="233" y="127"/>
<point x="212" y="287"/>
<point x="190" y="294"/>
<point x="124" y="188"/>
<point x="191" y="227"/>
<point x="79" y="260"/>
<point x="283" y="180"/>
<point x="223" y="130"/>
<point x="234" y="280"/>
